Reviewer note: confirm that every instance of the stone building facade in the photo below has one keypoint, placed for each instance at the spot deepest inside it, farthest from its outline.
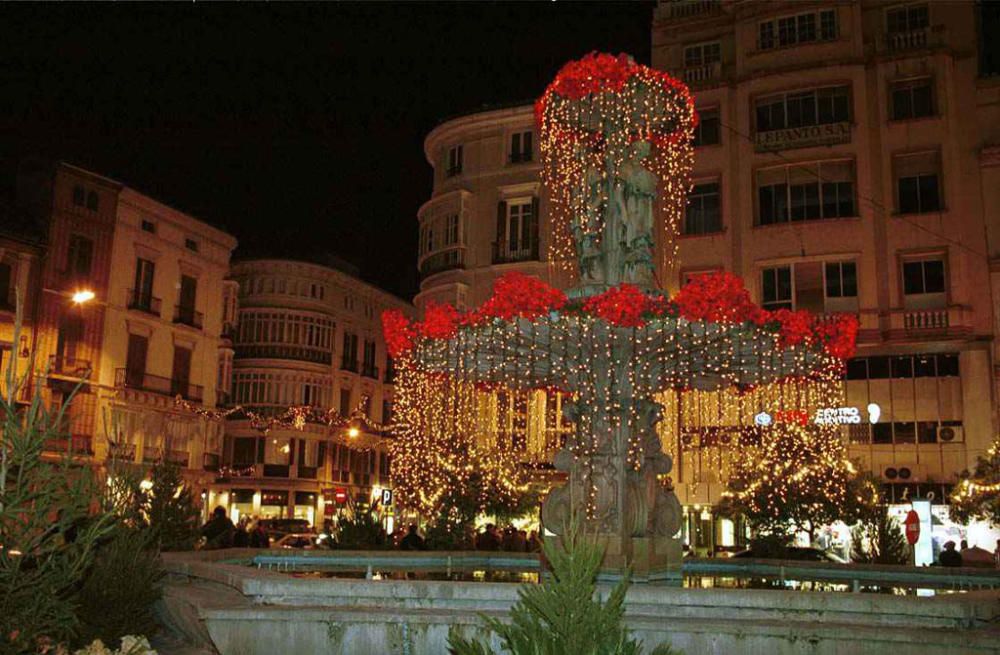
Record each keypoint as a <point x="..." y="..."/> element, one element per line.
<point x="307" y="335"/>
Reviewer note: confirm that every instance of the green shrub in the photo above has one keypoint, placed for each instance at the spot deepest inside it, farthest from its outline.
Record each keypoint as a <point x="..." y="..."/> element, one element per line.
<point x="561" y="616"/>
<point x="121" y="587"/>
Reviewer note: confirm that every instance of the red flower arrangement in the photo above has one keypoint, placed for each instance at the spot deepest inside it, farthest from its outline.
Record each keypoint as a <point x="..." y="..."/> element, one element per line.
<point x="593" y="73"/>
<point x="795" y="327"/>
<point x="519" y="295"/>
<point x="624" y="305"/>
<point x="718" y="297"/>
<point x="440" y="321"/>
<point x="398" y="332"/>
<point x="838" y="334"/>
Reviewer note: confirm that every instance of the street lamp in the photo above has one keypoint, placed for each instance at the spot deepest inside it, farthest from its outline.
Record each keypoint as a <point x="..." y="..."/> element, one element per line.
<point x="353" y="432"/>
<point x="83" y="296"/>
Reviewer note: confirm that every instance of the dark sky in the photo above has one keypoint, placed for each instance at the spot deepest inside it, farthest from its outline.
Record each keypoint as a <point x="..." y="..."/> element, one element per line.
<point x="297" y="127"/>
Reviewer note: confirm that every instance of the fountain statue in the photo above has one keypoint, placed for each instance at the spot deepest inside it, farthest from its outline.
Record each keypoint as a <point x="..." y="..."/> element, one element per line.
<point x="615" y="139"/>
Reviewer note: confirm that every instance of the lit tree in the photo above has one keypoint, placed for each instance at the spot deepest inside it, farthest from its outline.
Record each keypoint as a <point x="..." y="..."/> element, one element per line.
<point x="977" y="495"/>
<point x="796" y="480"/>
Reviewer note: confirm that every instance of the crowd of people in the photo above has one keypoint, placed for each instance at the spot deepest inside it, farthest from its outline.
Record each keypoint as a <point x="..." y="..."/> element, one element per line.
<point x="950" y="555"/>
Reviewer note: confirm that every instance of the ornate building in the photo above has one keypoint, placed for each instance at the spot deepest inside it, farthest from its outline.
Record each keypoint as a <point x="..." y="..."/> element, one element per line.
<point x="844" y="161"/>
<point x="306" y="335"/>
<point x="124" y="312"/>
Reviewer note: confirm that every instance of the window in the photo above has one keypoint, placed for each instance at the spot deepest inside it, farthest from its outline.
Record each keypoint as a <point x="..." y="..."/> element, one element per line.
<point x="188" y="293"/>
<point x="520" y="147"/>
<point x="148" y="226"/>
<point x="439" y="233"/>
<point x="79" y="257"/>
<point x="923" y="276"/>
<point x="92" y="200"/>
<point x="803" y="108"/>
<point x="350" y="354"/>
<point x="6" y="291"/>
<point x="517" y="230"/>
<point x="181" y="375"/>
<point x="703" y="215"/>
<point x="918" y="185"/>
<point x="803" y="28"/>
<point x="841" y="280"/>
<point x="191" y="245"/>
<point x="454" y="161"/>
<point x="79" y="196"/>
<point x="707" y="133"/>
<point x="912" y="99"/>
<point x="345" y="402"/>
<point x="702" y="54"/>
<point x="907" y="19"/>
<point x="802" y="192"/>
<point x="776" y="288"/>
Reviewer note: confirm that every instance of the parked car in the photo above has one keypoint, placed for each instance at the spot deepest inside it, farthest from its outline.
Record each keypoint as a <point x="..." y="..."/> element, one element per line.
<point x="278" y="528"/>
<point x="298" y="540"/>
<point x="797" y="553"/>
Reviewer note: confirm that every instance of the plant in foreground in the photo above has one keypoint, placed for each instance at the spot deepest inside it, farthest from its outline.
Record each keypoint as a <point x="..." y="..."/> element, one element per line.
<point x="561" y="616"/>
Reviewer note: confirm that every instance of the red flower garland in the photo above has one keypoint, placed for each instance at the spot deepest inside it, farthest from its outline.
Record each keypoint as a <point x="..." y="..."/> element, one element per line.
<point x="398" y="332"/>
<point x="519" y="295"/>
<point x="440" y="321"/>
<point x="795" y="327"/>
<point x="718" y="297"/>
<point x="623" y="305"/>
<point x="838" y="334"/>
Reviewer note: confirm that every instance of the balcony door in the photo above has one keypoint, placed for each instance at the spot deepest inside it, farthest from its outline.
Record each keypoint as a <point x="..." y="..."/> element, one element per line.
<point x="181" y="377"/>
<point x="185" y="304"/>
<point x="142" y="296"/>
<point x="135" y="360"/>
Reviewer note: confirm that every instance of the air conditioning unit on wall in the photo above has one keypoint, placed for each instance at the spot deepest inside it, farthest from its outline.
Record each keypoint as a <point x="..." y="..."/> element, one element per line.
<point x="950" y="434"/>
<point x="903" y="473"/>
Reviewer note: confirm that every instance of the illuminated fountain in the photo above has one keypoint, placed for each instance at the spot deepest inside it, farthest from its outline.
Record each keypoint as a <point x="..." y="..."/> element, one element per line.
<point x="615" y="139"/>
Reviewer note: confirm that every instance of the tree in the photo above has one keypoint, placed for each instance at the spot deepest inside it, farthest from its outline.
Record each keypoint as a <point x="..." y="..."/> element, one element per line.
<point x="171" y="510"/>
<point x="977" y="495"/>
<point x="48" y="533"/>
<point x="561" y="616"/>
<point x="797" y="479"/>
<point x="878" y="539"/>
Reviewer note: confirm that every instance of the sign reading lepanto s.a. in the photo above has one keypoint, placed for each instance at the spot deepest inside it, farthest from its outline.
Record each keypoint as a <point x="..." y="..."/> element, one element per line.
<point x="801" y="137"/>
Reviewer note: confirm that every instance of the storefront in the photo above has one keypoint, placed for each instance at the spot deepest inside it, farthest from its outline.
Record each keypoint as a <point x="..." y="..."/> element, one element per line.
<point x="273" y="503"/>
<point x="305" y="506"/>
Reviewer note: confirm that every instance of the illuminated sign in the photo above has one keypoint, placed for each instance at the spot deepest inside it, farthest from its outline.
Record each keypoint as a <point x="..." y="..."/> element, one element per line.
<point x="763" y="419"/>
<point x="801" y="137"/>
<point x="386" y="497"/>
<point x="823" y="416"/>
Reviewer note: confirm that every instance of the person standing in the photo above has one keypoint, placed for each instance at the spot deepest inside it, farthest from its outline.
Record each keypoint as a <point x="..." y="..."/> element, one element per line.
<point x="950" y="556"/>
<point x="412" y="540"/>
<point x="218" y="532"/>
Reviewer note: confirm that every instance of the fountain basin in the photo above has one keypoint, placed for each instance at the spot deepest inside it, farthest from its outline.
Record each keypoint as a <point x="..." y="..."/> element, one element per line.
<point x="215" y="599"/>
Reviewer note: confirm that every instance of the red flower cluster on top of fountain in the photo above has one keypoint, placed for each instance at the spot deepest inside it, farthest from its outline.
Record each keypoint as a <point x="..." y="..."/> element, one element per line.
<point x="441" y="321"/>
<point x="516" y="295"/>
<point x="718" y="297"/>
<point x="795" y="328"/>
<point x="625" y="305"/>
<point x="398" y="332"/>
<point x="593" y="73"/>
<point x="838" y="334"/>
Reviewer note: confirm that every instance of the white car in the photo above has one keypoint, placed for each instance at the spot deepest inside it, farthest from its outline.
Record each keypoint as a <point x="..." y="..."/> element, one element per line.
<point x="298" y="540"/>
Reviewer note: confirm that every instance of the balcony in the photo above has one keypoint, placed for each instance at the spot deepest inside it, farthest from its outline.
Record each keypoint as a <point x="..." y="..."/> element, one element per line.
<point x="77" y="444"/>
<point x="143" y="302"/>
<point x="692" y="8"/>
<point x="307" y="472"/>
<point x="179" y="457"/>
<point x="151" y="454"/>
<point x="369" y="370"/>
<point x="284" y="351"/>
<point x="442" y="261"/>
<point x="125" y="379"/>
<point x="349" y="365"/>
<point x="954" y="321"/>
<point x="505" y="252"/>
<point x="897" y="42"/>
<point x="210" y="462"/>
<point x="453" y="171"/>
<point x="390" y="375"/>
<point x="276" y="470"/>
<point x="70" y="367"/>
<point x="184" y="315"/>
<point x="695" y="75"/>
<point x="520" y="157"/>
<point x="121" y="451"/>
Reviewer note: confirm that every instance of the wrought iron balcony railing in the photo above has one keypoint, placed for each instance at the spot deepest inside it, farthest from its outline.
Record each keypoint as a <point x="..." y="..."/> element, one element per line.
<point x="349" y="365"/>
<point x="369" y="370"/>
<point x="505" y="252"/>
<point x="185" y="315"/>
<point x="143" y="302"/>
<point x="156" y="384"/>
<point x="69" y="366"/>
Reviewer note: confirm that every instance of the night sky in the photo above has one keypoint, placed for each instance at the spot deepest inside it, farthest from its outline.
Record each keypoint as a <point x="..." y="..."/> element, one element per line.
<point x="297" y="127"/>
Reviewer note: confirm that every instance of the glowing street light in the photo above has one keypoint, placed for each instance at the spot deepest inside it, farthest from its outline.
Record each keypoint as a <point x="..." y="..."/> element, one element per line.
<point x="353" y="432"/>
<point x="83" y="296"/>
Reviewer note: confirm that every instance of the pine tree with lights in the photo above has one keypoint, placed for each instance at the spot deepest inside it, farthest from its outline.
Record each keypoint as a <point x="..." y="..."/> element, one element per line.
<point x="561" y="616"/>
<point x="977" y="495"/>
<point x="796" y="480"/>
<point x="878" y="539"/>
